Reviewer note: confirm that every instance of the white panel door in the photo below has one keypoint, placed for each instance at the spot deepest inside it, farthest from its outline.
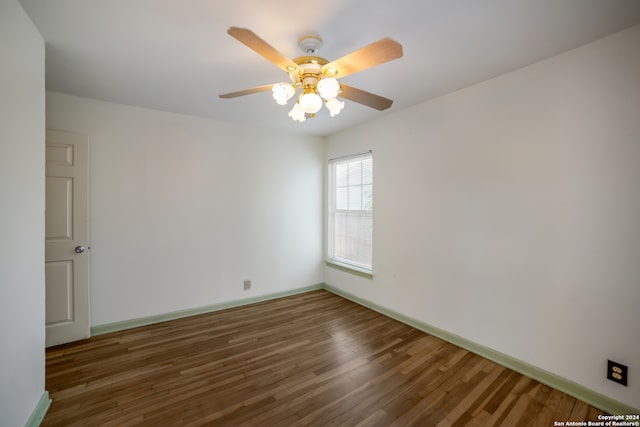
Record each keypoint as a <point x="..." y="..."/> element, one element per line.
<point x="66" y="238"/>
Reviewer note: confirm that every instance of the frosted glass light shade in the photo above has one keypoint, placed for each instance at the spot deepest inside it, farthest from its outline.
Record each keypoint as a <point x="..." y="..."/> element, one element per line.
<point x="334" y="106"/>
<point x="310" y="102"/>
<point x="328" y="88"/>
<point x="282" y="92"/>
<point x="297" y="114"/>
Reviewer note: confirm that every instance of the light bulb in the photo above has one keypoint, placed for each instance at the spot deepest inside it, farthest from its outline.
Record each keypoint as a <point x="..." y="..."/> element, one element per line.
<point x="310" y="102"/>
<point x="282" y="92"/>
<point x="297" y="114"/>
<point x="328" y="88"/>
<point x="334" y="106"/>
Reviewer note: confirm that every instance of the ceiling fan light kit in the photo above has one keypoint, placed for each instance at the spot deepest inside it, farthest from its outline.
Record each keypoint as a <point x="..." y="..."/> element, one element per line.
<point x="316" y="77"/>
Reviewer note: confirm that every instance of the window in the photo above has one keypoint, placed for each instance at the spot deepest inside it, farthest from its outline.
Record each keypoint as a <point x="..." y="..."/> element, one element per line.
<point x="351" y="212"/>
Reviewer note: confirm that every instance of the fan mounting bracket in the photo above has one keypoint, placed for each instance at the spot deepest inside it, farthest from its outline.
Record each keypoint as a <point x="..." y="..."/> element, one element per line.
<point x="310" y="43"/>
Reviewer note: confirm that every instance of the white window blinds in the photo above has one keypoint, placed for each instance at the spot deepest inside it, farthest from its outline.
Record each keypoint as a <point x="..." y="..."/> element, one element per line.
<point x="351" y="211"/>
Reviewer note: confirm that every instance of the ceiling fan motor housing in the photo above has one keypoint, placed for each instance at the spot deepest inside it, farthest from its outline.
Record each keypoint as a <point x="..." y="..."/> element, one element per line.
<point x="311" y="70"/>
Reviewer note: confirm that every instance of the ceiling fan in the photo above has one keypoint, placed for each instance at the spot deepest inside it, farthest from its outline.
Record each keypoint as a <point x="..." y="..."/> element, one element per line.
<point x="316" y="77"/>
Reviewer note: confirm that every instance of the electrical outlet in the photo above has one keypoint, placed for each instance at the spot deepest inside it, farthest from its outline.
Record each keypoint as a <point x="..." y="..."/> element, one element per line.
<point x="247" y="285"/>
<point x="617" y="372"/>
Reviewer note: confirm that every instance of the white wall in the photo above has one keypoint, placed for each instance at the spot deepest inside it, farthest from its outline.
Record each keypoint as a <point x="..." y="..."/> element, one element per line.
<point x="184" y="209"/>
<point x="508" y="213"/>
<point x="22" y="108"/>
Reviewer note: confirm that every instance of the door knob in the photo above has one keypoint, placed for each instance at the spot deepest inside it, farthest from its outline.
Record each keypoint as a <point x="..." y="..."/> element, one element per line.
<point x="79" y="249"/>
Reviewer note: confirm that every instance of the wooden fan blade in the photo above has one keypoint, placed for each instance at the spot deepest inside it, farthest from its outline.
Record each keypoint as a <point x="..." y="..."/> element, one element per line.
<point x="246" y="91"/>
<point x="263" y="48"/>
<point x="376" y="53"/>
<point x="365" y="98"/>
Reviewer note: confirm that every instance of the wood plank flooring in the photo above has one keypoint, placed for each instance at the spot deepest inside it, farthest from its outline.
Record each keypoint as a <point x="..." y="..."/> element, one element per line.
<point x="313" y="359"/>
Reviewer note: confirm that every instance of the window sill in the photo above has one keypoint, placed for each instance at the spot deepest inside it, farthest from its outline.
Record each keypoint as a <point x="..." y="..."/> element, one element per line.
<point x="349" y="269"/>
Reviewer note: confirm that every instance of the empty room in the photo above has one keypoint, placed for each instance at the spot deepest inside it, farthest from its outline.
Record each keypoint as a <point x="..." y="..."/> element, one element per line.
<point x="345" y="213"/>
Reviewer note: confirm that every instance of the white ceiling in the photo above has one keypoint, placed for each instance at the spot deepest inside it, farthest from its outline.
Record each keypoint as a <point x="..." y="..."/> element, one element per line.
<point x="175" y="55"/>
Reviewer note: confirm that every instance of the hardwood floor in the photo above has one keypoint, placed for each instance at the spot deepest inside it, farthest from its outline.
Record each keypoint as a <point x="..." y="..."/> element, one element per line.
<point x="310" y="359"/>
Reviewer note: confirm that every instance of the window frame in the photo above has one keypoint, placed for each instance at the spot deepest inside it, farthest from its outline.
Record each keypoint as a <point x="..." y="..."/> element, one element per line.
<point x="339" y="263"/>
